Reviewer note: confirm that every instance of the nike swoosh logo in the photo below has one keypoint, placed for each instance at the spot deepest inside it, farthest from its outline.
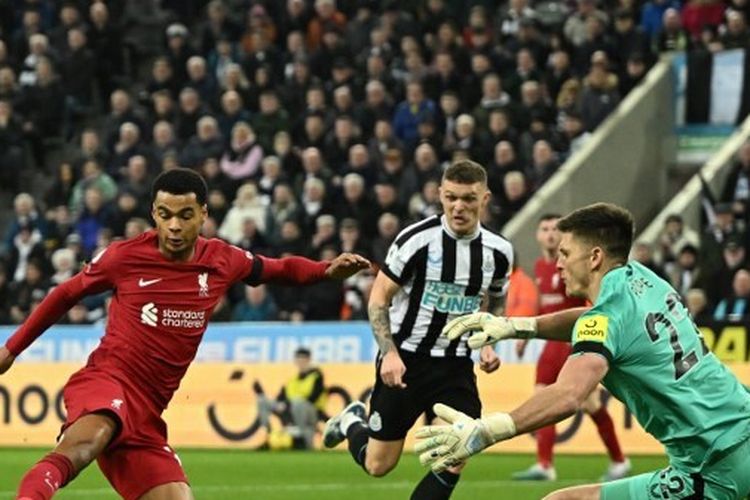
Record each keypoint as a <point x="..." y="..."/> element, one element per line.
<point x="142" y="282"/>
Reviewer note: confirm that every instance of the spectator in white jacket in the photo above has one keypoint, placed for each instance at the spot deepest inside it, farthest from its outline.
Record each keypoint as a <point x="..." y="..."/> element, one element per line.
<point x="247" y="205"/>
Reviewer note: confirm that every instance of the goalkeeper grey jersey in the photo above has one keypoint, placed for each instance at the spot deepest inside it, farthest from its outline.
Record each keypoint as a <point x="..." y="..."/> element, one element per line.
<point x="442" y="276"/>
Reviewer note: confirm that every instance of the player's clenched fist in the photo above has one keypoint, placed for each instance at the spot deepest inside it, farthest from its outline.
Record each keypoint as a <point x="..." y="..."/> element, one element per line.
<point x="392" y="370"/>
<point x="489" y="329"/>
<point x="488" y="359"/>
<point x="444" y="446"/>
<point x="6" y="359"/>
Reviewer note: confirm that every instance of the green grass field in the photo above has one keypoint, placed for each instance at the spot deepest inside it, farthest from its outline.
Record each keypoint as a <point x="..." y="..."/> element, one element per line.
<point x="329" y="476"/>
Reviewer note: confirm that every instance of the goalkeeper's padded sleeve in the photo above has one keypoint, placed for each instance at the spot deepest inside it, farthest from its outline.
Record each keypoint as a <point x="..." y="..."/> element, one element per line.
<point x="290" y="270"/>
<point x="525" y="327"/>
<point x="500" y="425"/>
<point x="51" y="309"/>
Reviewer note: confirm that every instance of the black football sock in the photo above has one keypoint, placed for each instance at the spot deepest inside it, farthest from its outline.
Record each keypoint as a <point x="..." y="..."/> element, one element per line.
<point x="436" y="486"/>
<point x="357" y="436"/>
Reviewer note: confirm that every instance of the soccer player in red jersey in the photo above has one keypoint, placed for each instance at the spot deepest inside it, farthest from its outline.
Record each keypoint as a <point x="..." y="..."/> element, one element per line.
<point x="166" y="283"/>
<point x="553" y="298"/>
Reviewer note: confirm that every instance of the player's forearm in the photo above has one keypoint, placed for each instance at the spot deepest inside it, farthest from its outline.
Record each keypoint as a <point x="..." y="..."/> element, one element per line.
<point x="292" y="270"/>
<point x="51" y="309"/>
<point x="558" y="325"/>
<point x="547" y="406"/>
<point x="380" y="321"/>
<point x="381" y="295"/>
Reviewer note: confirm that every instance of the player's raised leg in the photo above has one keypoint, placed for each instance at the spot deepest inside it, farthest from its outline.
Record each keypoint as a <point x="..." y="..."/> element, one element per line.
<point x="376" y="457"/>
<point x="79" y="445"/>
<point x="145" y="467"/>
<point x="438" y="485"/>
<point x="381" y="457"/>
<point x="455" y="385"/>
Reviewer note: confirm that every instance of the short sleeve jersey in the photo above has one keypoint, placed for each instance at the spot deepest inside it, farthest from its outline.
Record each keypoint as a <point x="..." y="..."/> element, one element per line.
<point x="660" y="368"/>
<point x="442" y="276"/>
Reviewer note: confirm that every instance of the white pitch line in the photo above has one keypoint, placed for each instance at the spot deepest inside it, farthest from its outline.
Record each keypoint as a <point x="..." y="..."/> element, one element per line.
<point x="316" y="487"/>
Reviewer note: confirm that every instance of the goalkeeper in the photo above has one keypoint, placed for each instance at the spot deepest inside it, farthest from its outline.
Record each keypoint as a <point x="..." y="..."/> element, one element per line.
<point x="640" y="342"/>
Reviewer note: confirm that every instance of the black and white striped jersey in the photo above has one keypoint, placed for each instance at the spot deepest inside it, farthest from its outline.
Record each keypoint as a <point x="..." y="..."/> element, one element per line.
<point x="442" y="276"/>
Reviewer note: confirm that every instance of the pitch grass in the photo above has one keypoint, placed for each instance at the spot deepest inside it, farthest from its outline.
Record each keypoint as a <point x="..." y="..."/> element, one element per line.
<point x="253" y="475"/>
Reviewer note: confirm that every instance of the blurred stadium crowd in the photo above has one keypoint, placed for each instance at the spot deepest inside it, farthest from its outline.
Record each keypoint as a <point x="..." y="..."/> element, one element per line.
<point x="320" y="125"/>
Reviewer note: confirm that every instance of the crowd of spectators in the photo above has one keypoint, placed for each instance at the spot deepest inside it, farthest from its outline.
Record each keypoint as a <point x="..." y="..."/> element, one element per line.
<point x="710" y="266"/>
<point x="320" y="126"/>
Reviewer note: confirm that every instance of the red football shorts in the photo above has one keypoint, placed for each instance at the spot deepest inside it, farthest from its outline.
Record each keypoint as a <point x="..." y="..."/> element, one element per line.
<point x="551" y="361"/>
<point x="138" y="458"/>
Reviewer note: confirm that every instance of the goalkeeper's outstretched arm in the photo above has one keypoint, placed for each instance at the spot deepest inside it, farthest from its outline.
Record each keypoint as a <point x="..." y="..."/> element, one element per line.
<point x="443" y="446"/>
<point x="578" y="378"/>
<point x="489" y="329"/>
<point x="558" y="325"/>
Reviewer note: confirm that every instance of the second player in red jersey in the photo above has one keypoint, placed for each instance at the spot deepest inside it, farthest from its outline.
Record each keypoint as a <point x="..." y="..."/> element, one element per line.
<point x="166" y="284"/>
<point x="552" y="298"/>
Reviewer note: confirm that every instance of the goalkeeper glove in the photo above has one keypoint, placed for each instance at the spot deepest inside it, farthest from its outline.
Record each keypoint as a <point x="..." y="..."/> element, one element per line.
<point x="490" y="329"/>
<point x="445" y="446"/>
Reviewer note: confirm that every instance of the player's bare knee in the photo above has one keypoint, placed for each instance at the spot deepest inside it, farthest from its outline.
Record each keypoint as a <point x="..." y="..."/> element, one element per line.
<point x="82" y="443"/>
<point x="379" y="467"/>
<point x="81" y="453"/>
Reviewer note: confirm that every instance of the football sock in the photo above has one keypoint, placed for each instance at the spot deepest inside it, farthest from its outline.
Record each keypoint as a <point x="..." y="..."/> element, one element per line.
<point x="347" y="420"/>
<point x="357" y="435"/>
<point x="606" y="430"/>
<point x="46" y="477"/>
<point x="545" y="441"/>
<point x="436" y="486"/>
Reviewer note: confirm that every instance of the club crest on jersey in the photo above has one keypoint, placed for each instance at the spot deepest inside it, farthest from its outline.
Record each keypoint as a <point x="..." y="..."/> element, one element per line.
<point x="375" y="423"/>
<point x="434" y="259"/>
<point x="203" y="284"/>
<point x="592" y="328"/>
<point x="488" y="264"/>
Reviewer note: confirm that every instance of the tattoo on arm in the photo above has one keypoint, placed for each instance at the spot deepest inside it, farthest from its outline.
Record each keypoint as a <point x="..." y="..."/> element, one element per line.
<point x="496" y="305"/>
<point x="381" y="327"/>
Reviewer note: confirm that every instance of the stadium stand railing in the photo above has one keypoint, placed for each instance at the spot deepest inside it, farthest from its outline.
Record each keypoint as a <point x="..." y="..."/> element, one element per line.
<point x="687" y="202"/>
<point x="624" y="162"/>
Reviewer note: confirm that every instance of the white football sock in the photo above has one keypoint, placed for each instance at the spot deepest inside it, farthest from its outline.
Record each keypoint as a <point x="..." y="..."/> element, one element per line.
<point x="347" y="421"/>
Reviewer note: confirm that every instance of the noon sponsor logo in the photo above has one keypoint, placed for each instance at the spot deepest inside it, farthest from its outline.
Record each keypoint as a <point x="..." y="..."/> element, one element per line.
<point x="592" y="328"/>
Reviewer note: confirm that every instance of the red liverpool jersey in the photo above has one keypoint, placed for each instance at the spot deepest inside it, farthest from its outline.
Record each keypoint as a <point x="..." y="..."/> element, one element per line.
<point x="552" y="289"/>
<point x="160" y="308"/>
